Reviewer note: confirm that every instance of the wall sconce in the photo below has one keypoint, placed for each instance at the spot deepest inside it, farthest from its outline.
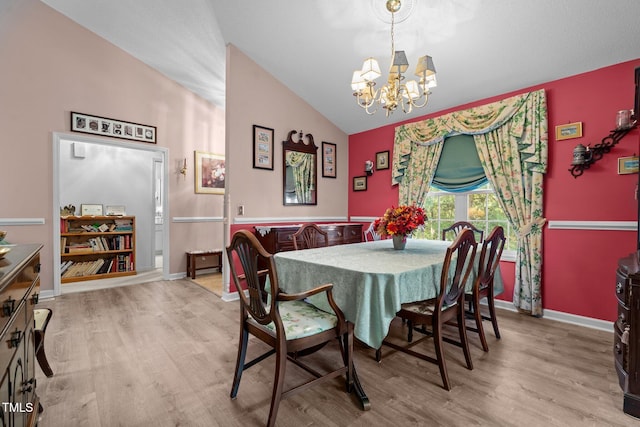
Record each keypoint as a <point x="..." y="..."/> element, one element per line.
<point x="368" y="167"/>
<point x="183" y="170"/>
<point x="584" y="157"/>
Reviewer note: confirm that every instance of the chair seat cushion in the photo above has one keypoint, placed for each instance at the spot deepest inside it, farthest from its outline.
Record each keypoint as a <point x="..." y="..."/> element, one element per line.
<point x="423" y="307"/>
<point x="301" y="319"/>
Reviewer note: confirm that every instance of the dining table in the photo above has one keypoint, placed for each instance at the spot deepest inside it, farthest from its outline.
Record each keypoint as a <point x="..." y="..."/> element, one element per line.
<point x="371" y="280"/>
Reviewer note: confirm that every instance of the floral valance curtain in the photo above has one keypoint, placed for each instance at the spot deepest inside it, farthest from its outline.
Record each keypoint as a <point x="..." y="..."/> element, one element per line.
<point x="511" y="138"/>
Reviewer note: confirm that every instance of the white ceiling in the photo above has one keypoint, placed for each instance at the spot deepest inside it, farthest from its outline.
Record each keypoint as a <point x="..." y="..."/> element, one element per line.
<point x="480" y="48"/>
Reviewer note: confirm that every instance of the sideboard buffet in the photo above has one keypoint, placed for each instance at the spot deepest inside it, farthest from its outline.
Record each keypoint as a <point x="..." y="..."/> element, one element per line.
<point x="279" y="238"/>
<point x="19" y="290"/>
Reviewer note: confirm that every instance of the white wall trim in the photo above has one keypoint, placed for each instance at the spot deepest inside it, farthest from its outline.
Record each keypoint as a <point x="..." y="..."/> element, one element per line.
<point x="300" y="219"/>
<point x="363" y="218"/>
<point x="21" y="221"/>
<point x="594" y="225"/>
<point x="574" y="319"/>
<point x="197" y="219"/>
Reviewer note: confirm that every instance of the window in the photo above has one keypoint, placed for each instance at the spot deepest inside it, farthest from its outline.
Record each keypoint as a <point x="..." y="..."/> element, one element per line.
<point x="479" y="207"/>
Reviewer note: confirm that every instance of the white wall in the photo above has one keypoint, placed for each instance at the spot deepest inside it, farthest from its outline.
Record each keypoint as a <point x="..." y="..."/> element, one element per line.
<point x="112" y="175"/>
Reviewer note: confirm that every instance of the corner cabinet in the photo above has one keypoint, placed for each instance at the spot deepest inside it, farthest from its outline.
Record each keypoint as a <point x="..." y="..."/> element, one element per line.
<point x="19" y="290"/>
<point x="279" y="238"/>
<point x="626" y="347"/>
<point x="96" y="247"/>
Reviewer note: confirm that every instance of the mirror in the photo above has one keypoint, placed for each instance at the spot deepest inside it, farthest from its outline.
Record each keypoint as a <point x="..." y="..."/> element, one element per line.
<point x="299" y="160"/>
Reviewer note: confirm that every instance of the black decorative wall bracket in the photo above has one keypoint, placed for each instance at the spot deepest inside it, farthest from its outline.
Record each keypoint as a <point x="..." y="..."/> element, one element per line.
<point x="584" y="157"/>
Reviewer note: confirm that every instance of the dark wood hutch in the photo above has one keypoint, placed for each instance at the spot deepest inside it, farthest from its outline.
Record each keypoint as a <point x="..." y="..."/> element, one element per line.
<point x="626" y="346"/>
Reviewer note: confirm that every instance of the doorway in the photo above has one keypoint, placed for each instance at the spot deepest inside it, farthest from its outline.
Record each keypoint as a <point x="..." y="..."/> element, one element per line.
<point x="97" y="171"/>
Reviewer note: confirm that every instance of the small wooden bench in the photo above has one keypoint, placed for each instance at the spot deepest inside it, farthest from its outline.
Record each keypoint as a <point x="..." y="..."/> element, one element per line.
<point x="41" y="319"/>
<point x="192" y="256"/>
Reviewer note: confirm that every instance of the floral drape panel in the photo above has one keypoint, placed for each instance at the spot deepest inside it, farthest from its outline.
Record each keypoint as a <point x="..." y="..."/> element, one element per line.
<point x="511" y="138"/>
<point x="419" y="173"/>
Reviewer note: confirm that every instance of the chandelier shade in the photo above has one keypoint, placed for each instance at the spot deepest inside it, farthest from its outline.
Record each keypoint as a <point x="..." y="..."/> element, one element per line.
<point x="396" y="92"/>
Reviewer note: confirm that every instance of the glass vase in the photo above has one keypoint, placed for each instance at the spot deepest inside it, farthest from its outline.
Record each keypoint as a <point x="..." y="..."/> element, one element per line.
<point x="399" y="242"/>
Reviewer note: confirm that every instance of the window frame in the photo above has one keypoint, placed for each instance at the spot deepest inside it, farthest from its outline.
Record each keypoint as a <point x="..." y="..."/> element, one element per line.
<point x="461" y="209"/>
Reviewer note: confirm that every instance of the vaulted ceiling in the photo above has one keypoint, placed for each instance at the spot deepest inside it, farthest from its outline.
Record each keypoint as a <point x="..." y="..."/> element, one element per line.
<point x="480" y="48"/>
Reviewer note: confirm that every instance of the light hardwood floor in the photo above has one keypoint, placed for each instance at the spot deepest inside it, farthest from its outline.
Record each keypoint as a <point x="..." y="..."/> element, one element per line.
<point x="162" y="354"/>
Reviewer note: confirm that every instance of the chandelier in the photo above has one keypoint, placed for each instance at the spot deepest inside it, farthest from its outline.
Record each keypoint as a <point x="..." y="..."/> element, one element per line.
<point x="396" y="92"/>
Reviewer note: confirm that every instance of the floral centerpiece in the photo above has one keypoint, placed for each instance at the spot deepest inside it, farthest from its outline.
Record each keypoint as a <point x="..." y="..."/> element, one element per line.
<point x="399" y="222"/>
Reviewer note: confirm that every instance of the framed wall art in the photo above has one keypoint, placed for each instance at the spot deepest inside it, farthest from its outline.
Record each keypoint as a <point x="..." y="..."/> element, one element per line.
<point x="210" y="173"/>
<point x="262" y="147"/>
<point x="359" y="183"/>
<point x="97" y="125"/>
<point x="382" y="160"/>
<point x="90" y="210"/>
<point x="627" y="165"/>
<point x="569" y="131"/>
<point x="329" y="159"/>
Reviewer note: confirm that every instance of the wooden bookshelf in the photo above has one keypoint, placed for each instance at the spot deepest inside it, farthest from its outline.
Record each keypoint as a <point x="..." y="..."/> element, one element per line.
<point x="96" y="247"/>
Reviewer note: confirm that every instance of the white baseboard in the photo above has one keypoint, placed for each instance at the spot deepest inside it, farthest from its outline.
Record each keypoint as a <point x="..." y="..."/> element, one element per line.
<point x="574" y="319"/>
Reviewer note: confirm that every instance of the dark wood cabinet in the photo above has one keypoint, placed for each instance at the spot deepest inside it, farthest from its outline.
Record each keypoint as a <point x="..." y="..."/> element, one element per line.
<point x="19" y="288"/>
<point x="626" y="346"/>
<point x="279" y="238"/>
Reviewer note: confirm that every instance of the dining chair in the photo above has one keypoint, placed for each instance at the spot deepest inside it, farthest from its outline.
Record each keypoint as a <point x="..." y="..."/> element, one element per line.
<point x="483" y="284"/>
<point x="310" y="236"/>
<point x="370" y="234"/>
<point x="459" y="226"/>
<point x="289" y="325"/>
<point x="447" y="306"/>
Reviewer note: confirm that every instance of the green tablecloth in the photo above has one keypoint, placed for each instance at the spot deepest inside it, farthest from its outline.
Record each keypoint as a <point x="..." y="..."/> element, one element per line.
<point x="371" y="280"/>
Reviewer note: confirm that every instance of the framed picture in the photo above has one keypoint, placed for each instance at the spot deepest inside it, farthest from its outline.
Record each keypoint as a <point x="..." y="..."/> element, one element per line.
<point x="359" y="183"/>
<point x="91" y="210"/>
<point x="382" y="160"/>
<point x="569" y="131"/>
<point x="627" y="165"/>
<point x="117" y="210"/>
<point x="210" y="173"/>
<point x="262" y="147"/>
<point x="329" y="159"/>
<point x="97" y="125"/>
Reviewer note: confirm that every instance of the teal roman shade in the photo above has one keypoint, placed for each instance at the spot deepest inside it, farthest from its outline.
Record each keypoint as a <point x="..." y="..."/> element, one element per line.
<point x="459" y="168"/>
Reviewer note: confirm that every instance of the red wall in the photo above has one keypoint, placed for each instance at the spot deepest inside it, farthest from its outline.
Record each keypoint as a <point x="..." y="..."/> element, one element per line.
<point x="579" y="266"/>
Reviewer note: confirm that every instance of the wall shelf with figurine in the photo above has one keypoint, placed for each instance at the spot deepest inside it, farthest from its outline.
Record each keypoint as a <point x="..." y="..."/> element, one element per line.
<point x="584" y="157"/>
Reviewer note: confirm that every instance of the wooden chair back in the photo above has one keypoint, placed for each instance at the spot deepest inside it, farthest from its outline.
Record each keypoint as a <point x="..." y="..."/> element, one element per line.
<point x="370" y="234"/>
<point x="490" y="255"/>
<point x="310" y="236"/>
<point x="246" y="274"/>
<point x="457" y="227"/>
<point x="489" y="261"/>
<point x="458" y="264"/>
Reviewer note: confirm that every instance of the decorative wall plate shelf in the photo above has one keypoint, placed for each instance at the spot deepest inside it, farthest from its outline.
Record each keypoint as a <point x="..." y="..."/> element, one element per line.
<point x="583" y="160"/>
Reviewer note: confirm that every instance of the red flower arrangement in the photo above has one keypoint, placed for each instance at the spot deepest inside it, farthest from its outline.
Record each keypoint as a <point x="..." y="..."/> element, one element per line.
<point x="400" y="221"/>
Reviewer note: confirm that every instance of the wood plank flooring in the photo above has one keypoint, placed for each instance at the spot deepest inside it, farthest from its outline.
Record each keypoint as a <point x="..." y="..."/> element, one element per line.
<point x="163" y="353"/>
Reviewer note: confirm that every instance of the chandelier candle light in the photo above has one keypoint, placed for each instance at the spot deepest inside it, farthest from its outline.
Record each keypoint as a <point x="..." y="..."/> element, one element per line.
<point x="395" y="93"/>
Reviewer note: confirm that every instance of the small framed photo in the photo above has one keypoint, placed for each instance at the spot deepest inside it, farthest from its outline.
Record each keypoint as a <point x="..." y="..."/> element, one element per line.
<point x="262" y="147"/>
<point x="210" y="173"/>
<point x="329" y="160"/>
<point x="382" y="160"/>
<point x="91" y="210"/>
<point x="359" y="183"/>
<point x="569" y="131"/>
<point x="117" y="210"/>
<point x="627" y="165"/>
